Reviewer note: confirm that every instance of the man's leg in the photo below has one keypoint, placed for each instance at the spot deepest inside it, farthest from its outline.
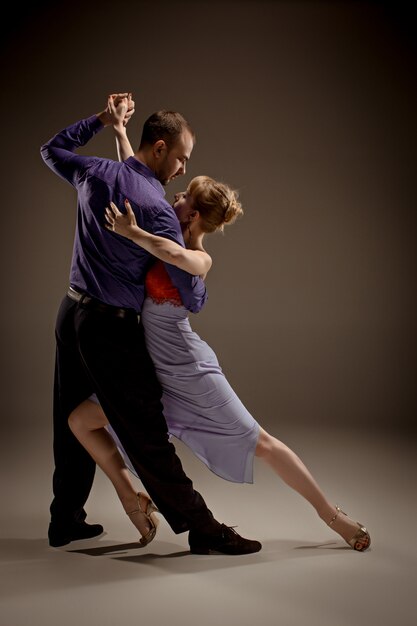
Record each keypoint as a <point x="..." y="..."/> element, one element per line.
<point x="74" y="468"/>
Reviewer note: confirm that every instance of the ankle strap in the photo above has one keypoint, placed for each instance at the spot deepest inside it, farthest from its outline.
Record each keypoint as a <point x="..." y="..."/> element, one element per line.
<point x="334" y="518"/>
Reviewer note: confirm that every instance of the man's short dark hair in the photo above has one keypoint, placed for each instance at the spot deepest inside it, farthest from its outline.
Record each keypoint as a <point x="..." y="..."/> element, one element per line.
<point x="166" y="125"/>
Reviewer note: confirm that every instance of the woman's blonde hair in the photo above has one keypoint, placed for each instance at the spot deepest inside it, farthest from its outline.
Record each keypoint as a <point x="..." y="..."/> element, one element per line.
<point x="216" y="202"/>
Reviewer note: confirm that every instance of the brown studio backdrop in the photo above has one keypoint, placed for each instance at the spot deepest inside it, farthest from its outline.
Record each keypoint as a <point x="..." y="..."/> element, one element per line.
<point x="308" y="109"/>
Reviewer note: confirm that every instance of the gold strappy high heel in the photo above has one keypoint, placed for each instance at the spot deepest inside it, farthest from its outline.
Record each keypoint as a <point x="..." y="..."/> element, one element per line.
<point x="356" y="542"/>
<point x="150" y="516"/>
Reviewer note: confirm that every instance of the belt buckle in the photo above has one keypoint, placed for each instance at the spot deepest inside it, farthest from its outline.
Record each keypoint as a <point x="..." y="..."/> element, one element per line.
<point x="72" y="293"/>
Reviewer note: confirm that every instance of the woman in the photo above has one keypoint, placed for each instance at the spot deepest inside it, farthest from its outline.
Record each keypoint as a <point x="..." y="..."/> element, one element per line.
<point x="200" y="407"/>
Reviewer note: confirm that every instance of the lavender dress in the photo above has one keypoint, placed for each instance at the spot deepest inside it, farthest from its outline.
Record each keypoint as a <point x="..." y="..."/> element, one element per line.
<point x="200" y="407"/>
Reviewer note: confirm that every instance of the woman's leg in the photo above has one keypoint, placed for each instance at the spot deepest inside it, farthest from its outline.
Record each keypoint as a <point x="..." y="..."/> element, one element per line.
<point x="293" y="471"/>
<point x="87" y="422"/>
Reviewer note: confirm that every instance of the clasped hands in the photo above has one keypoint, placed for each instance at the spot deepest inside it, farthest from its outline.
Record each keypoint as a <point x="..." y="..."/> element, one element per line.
<point x="120" y="108"/>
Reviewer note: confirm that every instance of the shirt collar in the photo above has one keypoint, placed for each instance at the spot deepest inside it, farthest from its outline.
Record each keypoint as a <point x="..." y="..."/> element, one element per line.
<point x="146" y="171"/>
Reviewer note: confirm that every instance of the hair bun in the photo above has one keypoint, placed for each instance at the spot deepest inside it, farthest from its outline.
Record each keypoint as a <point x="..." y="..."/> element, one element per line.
<point x="234" y="208"/>
<point x="216" y="202"/>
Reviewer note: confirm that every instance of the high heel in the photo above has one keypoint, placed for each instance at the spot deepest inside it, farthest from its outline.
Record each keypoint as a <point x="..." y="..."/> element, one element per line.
<point x="149" y="513"/>
<point x="356" y="542"/>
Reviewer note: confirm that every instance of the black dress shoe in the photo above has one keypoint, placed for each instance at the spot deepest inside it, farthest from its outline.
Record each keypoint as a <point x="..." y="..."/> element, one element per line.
<point x="228" y="541"/>
<point x="59" y="535"/>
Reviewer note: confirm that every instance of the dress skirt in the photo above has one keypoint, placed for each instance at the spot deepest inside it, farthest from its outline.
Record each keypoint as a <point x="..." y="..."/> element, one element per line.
<point x="200" y="406"/>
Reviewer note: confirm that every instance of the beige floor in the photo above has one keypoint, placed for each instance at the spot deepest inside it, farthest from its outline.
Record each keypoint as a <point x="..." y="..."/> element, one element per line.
<point x="304" y="575"/>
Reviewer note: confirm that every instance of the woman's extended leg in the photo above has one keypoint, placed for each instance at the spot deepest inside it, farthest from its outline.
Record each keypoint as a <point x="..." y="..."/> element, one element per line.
<point x="293" y="471"/>
<point x="87" y="422"/>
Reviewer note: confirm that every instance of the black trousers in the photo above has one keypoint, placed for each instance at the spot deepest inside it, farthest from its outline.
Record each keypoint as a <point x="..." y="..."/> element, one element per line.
<point x="97" y="351"/>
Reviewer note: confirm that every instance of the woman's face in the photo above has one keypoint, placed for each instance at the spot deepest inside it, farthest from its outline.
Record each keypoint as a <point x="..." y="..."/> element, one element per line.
<point x="183" y="207"/>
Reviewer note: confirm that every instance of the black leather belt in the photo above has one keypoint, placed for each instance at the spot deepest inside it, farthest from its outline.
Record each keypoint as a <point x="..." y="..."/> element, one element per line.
<point x="91" y="303"/>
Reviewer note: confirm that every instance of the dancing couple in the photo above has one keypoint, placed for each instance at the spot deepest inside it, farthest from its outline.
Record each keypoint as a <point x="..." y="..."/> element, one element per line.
<point x="124" y="383"/>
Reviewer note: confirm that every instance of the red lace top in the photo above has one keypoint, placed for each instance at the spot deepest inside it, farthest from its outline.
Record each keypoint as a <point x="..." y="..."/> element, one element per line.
<point x="159" y="286"/>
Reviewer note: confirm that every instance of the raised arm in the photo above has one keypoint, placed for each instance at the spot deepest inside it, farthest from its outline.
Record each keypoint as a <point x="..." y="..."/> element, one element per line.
<point x="118" y="113"/>
<point x="196" y="262"/>
<point x="59" y="153"/>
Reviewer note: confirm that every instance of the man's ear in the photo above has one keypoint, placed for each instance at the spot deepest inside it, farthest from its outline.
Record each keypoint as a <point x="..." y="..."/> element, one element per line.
<point x="159" y="148"/>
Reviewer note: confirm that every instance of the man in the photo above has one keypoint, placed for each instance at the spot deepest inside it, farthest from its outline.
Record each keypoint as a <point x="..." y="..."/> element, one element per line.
<point x="100" y="343"/>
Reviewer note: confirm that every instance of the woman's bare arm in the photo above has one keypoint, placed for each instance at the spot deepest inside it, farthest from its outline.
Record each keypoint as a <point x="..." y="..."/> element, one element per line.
<point x="120" y="115"/>
<point x="195" y="262"/>
<point x="123" y="145"/>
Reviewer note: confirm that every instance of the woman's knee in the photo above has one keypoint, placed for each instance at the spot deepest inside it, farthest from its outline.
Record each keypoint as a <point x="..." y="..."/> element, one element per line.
<point x="75" y="419"/>
<point x="87" y="416"/>
<point x="265" y="444"/>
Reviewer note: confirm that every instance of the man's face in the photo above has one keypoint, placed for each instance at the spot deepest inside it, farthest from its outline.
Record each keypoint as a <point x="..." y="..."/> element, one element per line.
<point x="173" y="161"/>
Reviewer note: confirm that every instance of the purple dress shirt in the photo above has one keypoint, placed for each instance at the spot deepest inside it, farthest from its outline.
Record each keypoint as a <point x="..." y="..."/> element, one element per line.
<point x="106" y="265"/>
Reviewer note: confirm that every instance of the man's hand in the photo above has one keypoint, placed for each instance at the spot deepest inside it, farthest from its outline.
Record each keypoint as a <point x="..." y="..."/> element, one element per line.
<point x="121" y="107"/>
<point x="119" y="110"/>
